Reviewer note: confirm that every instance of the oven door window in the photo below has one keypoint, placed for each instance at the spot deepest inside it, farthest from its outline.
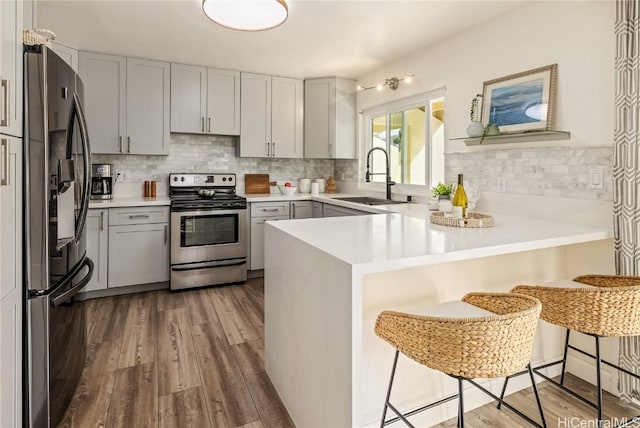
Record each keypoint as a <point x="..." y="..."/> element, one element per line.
<point x="201" y="230"/>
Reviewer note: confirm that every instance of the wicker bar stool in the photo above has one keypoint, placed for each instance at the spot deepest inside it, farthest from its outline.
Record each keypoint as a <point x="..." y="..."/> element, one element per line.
<point x="489" y="335"/>
<point x="595" y="305"/>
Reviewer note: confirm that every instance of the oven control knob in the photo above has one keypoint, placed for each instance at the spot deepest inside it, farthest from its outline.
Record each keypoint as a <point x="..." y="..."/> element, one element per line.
<point x="230" y="178"/>
<point x="175" y="178"/>
<point x="181" y="178"/>
<point x="224" y="178"/>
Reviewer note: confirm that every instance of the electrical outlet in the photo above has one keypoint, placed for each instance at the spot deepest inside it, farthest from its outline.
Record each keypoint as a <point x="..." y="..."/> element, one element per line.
<point x="596" y="178"/>
<point x="502" y="184"/>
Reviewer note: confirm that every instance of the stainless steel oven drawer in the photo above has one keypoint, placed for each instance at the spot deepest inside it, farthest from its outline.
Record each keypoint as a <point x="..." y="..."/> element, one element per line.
<point x="138" y="215"/>
<point x="195" y="275"/>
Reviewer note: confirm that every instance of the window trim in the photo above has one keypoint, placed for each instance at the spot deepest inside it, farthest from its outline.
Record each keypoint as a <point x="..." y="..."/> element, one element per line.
<point x="413" y="101"/>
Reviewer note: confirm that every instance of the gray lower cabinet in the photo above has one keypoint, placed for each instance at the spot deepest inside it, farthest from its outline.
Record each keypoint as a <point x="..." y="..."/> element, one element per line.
<point x="301" y="209"/>
<point x="138" y="254"/>
<point x="316" y="208"/>
<point x="128" y="246"/>
<point x="259" y="212"/>
<point x="257" y="240"/>
<point x="98" y="248"/>
<point x="337" y="211"/>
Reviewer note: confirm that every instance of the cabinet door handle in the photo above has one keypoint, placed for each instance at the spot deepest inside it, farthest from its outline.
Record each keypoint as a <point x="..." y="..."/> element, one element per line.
<point x="273" y="149"/>
<point x="209" y="125"/>
<point x="120" y="143"/>
<point x="202" y="123"/>
<point x="293" y="207"/>
<point x="135" y="216"/>
<point x="101" y="220"/>
<point x="270" y="210"/>
<point x="267" y="149"/>
<point x="165" y="233"/>
<point x="330" y="151"/>
<point x="4" y="145"/>
<point x="4" y="83"/>
<point x="128" y="144"/>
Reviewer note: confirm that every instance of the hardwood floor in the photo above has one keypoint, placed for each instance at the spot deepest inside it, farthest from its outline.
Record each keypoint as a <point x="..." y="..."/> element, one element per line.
<point x="196" y="359"/>
<point x="192" y="359"/>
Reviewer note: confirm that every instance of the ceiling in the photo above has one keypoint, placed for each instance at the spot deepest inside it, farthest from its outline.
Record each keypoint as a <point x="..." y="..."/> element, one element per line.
<point x="321" y="37"/>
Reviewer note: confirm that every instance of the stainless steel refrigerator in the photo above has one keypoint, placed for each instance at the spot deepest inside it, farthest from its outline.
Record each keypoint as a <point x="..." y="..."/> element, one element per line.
<point x="57" y="179"/>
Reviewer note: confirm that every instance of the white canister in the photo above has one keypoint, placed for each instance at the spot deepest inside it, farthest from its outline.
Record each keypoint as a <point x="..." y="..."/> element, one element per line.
<point x="315" y="188"/>
<point x="321" y="182"/>
<point x="304" y="185"/>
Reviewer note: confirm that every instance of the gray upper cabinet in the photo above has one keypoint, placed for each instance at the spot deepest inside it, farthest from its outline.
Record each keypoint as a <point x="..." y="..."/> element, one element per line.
<point x="69" y="55"/>
<point x="272" y="111"/>
<point x="330" y="118"/>
<point x="148" y="100"/>
<point x="126" y="103"/>
<point x="223" y="102"/>
<point x="255" y="127"/>
<point x="287" y="117"/>
<point x="205" y="100"/>
<point x="105" y="90"/>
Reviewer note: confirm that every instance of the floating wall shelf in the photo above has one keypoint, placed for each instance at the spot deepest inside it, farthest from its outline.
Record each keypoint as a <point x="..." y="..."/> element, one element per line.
<point x="516" y="138"/>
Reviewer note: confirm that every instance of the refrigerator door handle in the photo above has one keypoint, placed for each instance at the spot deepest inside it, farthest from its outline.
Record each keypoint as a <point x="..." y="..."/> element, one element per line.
<point x="66" y="278"/>
<point x="86" y="186"/>
<point x="64" y="297"/>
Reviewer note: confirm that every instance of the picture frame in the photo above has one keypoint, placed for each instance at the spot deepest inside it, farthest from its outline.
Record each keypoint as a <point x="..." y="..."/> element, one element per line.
<point x="521" y="102"/>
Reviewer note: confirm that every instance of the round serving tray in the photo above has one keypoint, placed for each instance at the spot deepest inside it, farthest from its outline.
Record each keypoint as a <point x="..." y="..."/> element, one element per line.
<point x="474" y="220"/>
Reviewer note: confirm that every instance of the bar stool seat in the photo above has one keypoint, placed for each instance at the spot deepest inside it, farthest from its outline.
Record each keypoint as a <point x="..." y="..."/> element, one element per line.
<point x="486" y="335"/>
<point x="595" y="305"/>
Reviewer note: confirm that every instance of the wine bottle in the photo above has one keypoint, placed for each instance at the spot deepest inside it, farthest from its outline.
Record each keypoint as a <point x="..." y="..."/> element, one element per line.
<point x="460" y="200"/>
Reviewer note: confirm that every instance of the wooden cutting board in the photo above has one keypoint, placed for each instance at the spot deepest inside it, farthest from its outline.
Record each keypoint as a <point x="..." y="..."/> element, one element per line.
<point x="256" y="183"/>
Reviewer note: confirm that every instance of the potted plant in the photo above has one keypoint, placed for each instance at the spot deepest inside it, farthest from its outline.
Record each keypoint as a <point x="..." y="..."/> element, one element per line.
<point x="475" y="128"/>
<point x="442" y="191"/>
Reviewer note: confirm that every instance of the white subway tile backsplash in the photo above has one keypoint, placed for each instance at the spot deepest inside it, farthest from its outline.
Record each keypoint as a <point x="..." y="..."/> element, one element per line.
<point x="561" y="172"/>
<point x="204" y="153"/>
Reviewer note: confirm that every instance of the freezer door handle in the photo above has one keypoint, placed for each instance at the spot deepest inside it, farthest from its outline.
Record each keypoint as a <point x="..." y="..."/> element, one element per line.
<point x="64" y="297"/>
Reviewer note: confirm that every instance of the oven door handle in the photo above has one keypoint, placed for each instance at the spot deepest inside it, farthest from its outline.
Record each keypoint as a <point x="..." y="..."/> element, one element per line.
<point x="208" y="265"/>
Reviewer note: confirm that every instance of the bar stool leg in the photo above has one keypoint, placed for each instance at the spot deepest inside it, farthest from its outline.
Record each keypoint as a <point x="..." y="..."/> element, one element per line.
<point x="535" y="391"/>
<point x="504" y="390"/>
<point x="386" y="401"/>
<point x="460" y="405"/>
<point x="599" y="380"/>
<point x="564" y="357"/>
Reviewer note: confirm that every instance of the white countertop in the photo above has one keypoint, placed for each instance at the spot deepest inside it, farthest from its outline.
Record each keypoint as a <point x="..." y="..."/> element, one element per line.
<point x="130" y="201"/>
<point x="407" y="237"/>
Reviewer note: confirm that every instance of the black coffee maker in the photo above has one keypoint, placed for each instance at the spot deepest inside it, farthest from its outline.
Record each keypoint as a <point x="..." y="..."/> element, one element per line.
<point x="101" y="181"/>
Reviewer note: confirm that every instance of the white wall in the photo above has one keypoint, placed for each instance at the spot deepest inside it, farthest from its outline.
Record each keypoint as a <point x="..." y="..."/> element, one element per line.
<point x="577" y="35"/>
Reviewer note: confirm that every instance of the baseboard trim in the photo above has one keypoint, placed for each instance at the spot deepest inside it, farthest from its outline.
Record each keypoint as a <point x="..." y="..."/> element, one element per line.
<point x="96" y="294"/>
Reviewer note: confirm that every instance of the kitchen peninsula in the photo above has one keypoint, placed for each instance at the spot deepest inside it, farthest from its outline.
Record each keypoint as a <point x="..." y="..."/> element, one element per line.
<point x="327" y="279"/>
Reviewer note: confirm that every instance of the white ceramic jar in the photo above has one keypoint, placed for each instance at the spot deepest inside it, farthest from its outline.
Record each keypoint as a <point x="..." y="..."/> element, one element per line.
<point x="304" y="185"/>
<point x="315" y="188"/>
<point x="321" y="183"/>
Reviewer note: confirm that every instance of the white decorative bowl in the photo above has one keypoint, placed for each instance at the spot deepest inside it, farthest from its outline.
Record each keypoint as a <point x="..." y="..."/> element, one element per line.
<point x="287" y="191"/>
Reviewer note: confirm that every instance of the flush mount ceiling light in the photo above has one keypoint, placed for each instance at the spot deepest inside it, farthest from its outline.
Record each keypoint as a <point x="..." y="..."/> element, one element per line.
<point x="391" y="82"/>
<point x="246" y="15"/>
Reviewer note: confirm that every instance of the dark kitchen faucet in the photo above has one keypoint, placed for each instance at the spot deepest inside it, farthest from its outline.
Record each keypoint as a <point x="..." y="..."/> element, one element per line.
<point x="367" y="176"/>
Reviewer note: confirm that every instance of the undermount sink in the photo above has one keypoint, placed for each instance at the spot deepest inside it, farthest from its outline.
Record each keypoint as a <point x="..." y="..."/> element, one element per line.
<point x="369" y="201"/>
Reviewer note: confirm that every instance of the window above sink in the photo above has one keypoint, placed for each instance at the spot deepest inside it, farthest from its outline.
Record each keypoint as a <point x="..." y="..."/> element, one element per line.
<point x="411" y="130"/>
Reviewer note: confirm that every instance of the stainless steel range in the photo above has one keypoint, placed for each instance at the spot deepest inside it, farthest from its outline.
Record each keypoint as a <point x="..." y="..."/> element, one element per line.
<point x="208" y="230"/>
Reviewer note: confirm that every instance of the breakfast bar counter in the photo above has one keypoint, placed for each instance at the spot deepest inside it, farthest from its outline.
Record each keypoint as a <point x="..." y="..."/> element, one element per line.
<point x="326" y="280"/>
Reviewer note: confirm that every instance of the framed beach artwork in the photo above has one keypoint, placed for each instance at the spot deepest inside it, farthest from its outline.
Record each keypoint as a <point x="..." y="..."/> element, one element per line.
<point x="521" y="102"/>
